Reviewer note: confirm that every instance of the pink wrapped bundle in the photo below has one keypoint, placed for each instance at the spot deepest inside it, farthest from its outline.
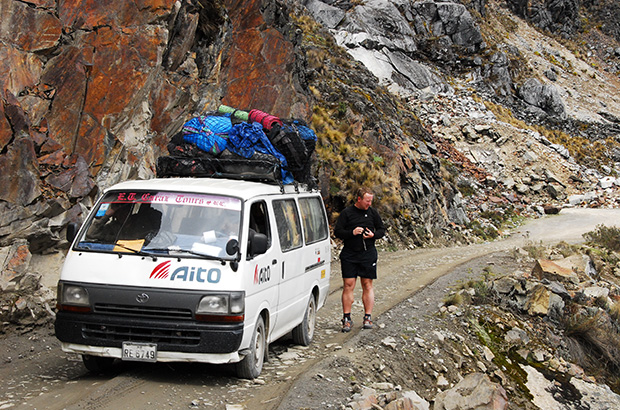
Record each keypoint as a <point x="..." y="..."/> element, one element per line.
<point x="266" y="120"/>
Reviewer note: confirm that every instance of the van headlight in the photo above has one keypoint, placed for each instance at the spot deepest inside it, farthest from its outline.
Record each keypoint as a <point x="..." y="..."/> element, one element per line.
<point x="223" y="307"/>
<point x="73" y="298"/>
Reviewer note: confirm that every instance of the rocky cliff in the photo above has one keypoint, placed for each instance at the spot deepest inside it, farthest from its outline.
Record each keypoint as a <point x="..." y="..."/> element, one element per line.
<point x="458" y="114"/>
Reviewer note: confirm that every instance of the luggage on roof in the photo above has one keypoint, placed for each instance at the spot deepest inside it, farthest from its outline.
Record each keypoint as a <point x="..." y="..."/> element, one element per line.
<point x="236" y="144"/>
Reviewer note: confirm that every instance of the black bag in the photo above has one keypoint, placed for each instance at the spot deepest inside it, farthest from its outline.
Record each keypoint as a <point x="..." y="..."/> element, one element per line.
<point x="296" y="141"/>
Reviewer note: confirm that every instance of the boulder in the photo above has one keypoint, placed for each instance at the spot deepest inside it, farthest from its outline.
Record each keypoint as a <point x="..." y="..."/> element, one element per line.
<point x="38" y="29"/>
<point x="543" y="96"/>
<point x="325" y="14"/>
<point x="475" y="392"/>
<point x="551" y="270"/>
<point x="14" y="261"/>
<point x="20" y="163"/>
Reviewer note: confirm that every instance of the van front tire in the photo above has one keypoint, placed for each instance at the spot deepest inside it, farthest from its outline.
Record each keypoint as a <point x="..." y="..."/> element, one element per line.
<point x="252" y="364"/>
<point x="304" y="332"/>
<point x="97" y="364"/>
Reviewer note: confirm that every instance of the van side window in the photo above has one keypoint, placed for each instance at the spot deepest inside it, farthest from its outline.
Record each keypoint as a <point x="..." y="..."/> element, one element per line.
<point x="287" y="220"/>
<point x="313" y="218"/>
<point x="259" y="220"/>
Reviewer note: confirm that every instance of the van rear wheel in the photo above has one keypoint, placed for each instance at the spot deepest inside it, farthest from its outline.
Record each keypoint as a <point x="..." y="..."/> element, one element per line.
<point x="97" y="364"/>
<point x="304" y="332"/>
<point x="252" y="364"/>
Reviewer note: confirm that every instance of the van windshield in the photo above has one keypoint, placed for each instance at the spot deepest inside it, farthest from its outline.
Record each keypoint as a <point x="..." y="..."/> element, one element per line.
<point x="163" y="223"/>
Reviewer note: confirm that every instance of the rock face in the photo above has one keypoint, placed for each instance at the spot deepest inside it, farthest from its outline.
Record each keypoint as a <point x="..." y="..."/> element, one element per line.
<point x="384" y="35"/>
<point x="91" y="92"/>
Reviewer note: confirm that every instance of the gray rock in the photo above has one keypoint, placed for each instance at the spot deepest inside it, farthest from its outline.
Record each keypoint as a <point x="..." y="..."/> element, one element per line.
<point x="475" y="391"/>
<point x="596" y="396"/>
<point x="517" y="336"/>
<point x="327" y="15"/>
<point x="543" y="96"/>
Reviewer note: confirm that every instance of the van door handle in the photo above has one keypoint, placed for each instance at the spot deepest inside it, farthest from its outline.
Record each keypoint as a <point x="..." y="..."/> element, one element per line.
<point x="275" y="261"/>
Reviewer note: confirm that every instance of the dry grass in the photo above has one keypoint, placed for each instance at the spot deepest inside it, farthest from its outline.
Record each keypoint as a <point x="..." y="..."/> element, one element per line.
<point x="595" y="340"/>
<point x="605" y="237"/>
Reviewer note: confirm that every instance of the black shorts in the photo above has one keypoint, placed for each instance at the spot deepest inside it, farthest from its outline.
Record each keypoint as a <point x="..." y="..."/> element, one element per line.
<point x="355" y="269"/>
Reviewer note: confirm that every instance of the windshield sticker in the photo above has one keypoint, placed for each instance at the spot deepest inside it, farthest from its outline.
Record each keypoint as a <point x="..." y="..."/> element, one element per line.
<point x="186" y="273"/>
<point x="102" y="210"/>
<point x="176" y="198"/>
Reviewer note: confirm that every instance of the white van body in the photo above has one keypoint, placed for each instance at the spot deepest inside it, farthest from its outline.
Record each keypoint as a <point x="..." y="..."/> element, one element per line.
<point x="189" y="285"/>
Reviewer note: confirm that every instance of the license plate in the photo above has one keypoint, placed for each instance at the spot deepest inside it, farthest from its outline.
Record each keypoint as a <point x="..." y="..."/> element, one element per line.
<point x="139" y="352"/>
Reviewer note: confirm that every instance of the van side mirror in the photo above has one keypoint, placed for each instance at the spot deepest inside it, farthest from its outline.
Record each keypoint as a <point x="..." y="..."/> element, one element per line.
<point x="258" y="244"/>
<point x="232" y="247"/>
<point x="72" y="229"/>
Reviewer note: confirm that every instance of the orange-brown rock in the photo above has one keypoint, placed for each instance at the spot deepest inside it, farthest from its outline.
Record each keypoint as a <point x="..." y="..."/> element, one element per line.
<point x="19" y="70"/>
<point x="87" y="15"/>
<point x="28" y="28"/>
<point x="19" y="174"/>
<point x="259" y="64"/>
<point x="546" y="269"/>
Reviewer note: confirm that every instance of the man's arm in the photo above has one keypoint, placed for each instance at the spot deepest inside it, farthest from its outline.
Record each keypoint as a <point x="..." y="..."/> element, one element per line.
<point x="379" y="227"/>
<point x="341" y="230"/>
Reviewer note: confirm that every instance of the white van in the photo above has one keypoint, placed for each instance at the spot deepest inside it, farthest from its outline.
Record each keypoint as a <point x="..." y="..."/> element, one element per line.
<point x="196" y="270"/>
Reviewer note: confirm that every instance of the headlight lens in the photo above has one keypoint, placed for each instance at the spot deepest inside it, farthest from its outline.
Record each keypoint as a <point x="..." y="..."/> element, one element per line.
<point x="74" y="295"/>
<point x="213" y="304"/>
<point x="222" y="304"/>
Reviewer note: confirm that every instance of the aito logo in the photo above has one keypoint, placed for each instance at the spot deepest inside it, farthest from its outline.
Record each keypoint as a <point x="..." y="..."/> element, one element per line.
<point x="186" y="273"/>
<point x="261" y="276"/>
<point x="161" y="271"/>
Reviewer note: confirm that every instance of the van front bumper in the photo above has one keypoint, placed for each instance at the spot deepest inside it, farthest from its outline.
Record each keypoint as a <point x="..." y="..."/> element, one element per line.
<point x="162" y="356"/>
<point x="175" y="339"/>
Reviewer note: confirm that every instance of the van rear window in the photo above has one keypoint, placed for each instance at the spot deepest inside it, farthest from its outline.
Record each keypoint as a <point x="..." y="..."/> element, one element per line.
<point x="313" y="218"/>
<point x="287" y="220"/>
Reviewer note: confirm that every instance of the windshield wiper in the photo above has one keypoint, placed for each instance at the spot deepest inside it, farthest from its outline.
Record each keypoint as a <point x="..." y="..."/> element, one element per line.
<point x="189" y="251"/>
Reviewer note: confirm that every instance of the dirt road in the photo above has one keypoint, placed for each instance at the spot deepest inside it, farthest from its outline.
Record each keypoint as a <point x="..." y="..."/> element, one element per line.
<point x="37" y="375"/>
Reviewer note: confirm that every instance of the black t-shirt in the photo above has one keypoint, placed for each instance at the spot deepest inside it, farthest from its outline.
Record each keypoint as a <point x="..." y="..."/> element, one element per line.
<point x="355" y="246"/>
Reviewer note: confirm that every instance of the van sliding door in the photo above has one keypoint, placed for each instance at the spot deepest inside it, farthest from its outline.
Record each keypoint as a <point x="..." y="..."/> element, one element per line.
<point x="293" y="295"/>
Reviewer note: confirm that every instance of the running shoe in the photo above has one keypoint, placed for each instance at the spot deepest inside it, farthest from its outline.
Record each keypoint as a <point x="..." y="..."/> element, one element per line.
<point x="346" y="325"/>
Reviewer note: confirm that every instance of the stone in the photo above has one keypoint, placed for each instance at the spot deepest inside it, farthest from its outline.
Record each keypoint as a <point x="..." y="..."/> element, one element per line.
<point x="537" y="302"/>
<point x="14" y="261"/>
<point x="20" y="163"/>
<point x="517" y="336"/>
<point x="39" y="29"/>
<point x="596" y="292"/>
<point x="475" y="392"/>
<point x="543" y="96"/>
<point x="325" y="14"/>
<point x="410" y="400"/>
<point x="504" y="285"/>
<point x="550" y="270"/>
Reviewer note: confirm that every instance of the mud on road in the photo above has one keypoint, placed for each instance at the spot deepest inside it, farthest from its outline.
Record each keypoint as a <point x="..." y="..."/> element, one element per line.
<point x="36" y="374"/>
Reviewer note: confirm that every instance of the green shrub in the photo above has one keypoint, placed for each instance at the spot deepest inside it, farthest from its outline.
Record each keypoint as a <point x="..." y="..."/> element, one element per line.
<point x="605" y="237"/>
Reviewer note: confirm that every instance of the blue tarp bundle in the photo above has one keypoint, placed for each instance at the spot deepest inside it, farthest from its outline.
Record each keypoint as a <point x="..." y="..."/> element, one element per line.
<point x="208" y="132"/>
<point x="214" y="132"/>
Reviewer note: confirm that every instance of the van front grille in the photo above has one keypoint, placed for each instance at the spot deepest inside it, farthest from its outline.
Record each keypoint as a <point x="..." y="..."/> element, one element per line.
<point x="144" y="311"/>
<point x="141" y="334"/>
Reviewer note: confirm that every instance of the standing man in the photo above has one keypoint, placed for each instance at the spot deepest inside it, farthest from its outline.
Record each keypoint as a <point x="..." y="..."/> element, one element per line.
<point x="359" y="226"/>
